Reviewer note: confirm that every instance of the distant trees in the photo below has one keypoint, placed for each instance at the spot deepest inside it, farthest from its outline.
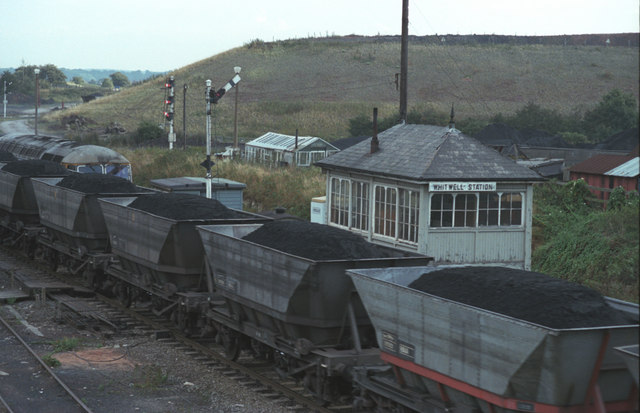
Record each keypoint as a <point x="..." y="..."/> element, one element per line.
<point x="119" y="79"/>
<point x="51" y="74"/>
<point x="107" y="83"/>
<point x="617" y="111"/>
<point x="78" y="80"/>
<point x="23" y="79"/>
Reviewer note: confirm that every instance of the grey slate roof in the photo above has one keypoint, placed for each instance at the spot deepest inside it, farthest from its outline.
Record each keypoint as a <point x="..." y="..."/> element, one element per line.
<point x="428" y="153"/>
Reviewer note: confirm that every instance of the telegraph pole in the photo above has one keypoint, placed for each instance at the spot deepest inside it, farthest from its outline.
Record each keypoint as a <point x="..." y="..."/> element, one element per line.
<point x="404" y="60"/>
<point x="184" y="116"/>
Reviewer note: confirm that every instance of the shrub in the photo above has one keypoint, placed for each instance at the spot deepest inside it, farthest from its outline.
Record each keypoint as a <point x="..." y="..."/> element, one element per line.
<point x="147" y="131"/>
<point x="585" y="244"/>
<point x="615" y="112"/>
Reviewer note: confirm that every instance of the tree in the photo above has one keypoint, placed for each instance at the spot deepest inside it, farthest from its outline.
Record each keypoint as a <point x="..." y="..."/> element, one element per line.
<point x="53" y="75"/>
<point x="78" y="80"/>
<point x="107" y="83"/>
<point x="617" y="111"/>
<point x="119" y="79"/>
<point x="534" y="116"/>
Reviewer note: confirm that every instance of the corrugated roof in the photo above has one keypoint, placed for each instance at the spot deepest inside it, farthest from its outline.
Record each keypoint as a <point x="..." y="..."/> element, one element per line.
<point x="429" y="153"/>
<point x="278" y="141"/>
<point x="628" y="169"/>
<point x="600" y="164"/>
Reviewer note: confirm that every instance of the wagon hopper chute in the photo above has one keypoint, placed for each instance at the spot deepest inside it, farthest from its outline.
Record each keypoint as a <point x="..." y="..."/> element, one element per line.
<point x="156" y="240"/>
<point x="303" y="307"/>
<point x="70" y="211"/>
<point x="18" y="205"/>
<point x="465" y="356"/>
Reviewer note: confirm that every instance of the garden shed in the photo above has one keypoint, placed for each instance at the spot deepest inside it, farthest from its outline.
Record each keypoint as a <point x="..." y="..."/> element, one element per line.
<point x="280" y="149"/>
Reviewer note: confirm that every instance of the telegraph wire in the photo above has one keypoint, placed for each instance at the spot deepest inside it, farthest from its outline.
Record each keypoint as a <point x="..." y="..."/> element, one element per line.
<point x="478" y="95"/>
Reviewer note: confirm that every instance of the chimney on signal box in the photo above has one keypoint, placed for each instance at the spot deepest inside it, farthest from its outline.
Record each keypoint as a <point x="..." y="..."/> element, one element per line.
<point x="375" y="144"/>
<point x="452" y="123"/>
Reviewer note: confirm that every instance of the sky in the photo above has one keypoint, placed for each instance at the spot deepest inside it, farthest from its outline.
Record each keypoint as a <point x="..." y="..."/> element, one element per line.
<point x="162" y="35"/>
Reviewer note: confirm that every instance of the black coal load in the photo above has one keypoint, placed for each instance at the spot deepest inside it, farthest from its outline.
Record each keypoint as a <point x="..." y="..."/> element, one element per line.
<point x="314" y="241"/>
<point x="525" y="295"/>
<point x="93" y="183"/>
<point x="7" y="157"/>
<point x="184" y="207"/>
<point x="35" y="167"/>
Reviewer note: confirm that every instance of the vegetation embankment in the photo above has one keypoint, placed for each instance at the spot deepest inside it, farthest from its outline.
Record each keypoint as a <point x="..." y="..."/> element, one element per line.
<point x="267" y="188"/>
<point x="318" y="86"/>
<point x="579" y="241"/>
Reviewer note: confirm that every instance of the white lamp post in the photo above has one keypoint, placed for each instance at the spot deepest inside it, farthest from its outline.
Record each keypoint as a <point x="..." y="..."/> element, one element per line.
<point x="37" y="72"/>
<point x="4" y="100"/>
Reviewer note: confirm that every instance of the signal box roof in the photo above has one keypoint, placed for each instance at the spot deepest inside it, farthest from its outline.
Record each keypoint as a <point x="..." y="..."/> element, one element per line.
<point x="428" y="153"/>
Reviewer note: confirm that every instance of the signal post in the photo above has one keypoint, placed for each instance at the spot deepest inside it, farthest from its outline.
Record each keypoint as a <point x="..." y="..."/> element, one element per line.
<point x="169" y="109"/>
<point x="212" y="96"/>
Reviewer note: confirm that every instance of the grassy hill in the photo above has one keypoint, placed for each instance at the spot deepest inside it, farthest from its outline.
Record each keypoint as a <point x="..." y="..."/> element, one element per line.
<point x="317" y="85"/>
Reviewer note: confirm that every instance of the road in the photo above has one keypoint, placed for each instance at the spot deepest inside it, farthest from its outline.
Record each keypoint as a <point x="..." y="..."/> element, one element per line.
<point x="24" y="123"/>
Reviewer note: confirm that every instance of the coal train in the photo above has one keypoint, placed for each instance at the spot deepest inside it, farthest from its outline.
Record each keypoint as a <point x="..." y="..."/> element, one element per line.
<point x="343" y="316"/>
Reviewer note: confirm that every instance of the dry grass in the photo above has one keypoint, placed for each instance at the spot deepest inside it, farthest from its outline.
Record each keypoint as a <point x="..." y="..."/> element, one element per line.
<point x="267" y="188"/>
<point x="317" y="86"/>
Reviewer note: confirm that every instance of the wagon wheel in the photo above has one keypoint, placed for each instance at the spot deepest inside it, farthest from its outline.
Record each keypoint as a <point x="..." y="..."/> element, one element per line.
<point x="181" y="318"/>
<point x="52" y="261"/>
<point x="123" y="294"/>
<point x="94" y="279"/>
<point x="29" y="247"/>
<point x="231" y="343"/>
<point x="260" y="351"/>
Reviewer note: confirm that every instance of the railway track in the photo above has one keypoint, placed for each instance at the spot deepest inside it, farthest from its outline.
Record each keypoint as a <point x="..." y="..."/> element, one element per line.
<point x="99" y="311"/>
<point x="255" y="374"/>
<point x="28" y="383"/>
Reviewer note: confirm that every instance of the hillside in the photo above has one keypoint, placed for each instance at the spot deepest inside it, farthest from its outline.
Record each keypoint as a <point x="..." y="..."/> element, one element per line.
<point x="317" y="85"/>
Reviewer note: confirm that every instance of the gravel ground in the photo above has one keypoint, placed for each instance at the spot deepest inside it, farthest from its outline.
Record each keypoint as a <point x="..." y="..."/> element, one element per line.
<point x="129" y="371"/>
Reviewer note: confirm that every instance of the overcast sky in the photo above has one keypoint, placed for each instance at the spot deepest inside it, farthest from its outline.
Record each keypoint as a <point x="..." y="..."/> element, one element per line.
<point x="162" y="35"/>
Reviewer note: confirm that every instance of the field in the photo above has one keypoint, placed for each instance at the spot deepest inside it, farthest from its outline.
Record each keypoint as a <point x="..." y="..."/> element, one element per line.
<point x="317" y="85"/>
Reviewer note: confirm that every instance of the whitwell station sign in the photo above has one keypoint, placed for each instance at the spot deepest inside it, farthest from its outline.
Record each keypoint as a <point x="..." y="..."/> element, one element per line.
<point x="462" y="186"/>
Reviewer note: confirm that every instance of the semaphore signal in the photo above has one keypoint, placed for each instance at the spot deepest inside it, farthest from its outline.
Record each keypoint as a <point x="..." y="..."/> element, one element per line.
<point x="169" y="102"/>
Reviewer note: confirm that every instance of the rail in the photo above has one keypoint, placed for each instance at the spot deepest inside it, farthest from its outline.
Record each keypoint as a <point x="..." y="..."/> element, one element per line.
<point x="51" y="373"/>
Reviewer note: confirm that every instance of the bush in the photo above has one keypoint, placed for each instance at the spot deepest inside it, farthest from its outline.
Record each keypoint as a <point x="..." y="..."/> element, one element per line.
<point x="471" y="126"/>
<point x="617" y="111"/>
<point x="585" y="244"/>
<point x="362" y="125"/>
<point x="533" y="116"/>
<point x="427" y="116"/>
<point x="147" y="131"/>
